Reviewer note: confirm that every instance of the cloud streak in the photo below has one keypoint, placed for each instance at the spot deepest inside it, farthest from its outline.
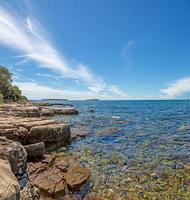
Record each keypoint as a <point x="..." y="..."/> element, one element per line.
<point x="34" y="90"/>
<point x="28" y="36"/>
<point x="176" y="89"/>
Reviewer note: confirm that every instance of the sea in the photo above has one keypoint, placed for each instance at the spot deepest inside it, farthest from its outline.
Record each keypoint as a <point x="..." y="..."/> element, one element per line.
<point x="135" y="149"/>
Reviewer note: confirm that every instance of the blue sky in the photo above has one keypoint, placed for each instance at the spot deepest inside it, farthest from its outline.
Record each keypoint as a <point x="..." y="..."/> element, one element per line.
<point x="107" y="49"/>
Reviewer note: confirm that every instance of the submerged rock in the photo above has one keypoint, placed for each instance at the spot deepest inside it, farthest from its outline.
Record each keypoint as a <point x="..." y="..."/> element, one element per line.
<point x="80" y="131"/>
<point x="92" y="196"/>
<point x="76" y="176"/>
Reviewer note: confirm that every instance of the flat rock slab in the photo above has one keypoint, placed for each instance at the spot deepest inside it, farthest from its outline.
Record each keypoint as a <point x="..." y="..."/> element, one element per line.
<point x="9" y="186"/>
<point x="34" y="131"/>
<point x="77" y="176"/>
<point x="53" y="177"/>
<point x="29" y="123"/>
<point x="34" y="110"/>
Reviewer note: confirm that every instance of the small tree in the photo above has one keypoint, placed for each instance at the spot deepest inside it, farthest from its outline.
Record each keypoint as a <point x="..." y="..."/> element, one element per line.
<point x="7" y="90"/>
<point x="5" y="82"/>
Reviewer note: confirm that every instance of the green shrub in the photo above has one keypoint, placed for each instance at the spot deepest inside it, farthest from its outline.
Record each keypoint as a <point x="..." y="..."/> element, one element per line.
<point x="8" y="91"/>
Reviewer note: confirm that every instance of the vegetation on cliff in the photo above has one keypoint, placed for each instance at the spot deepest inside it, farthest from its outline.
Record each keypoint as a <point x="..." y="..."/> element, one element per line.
<point x="9" y="92"/>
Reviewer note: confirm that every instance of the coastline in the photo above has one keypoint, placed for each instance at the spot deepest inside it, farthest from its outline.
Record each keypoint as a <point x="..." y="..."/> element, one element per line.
<point x="26" y="130"/>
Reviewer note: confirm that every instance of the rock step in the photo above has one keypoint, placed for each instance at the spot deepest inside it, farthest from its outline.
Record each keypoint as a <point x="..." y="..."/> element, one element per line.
<point x="30" y="110"/>
<point x="34" y="132"/>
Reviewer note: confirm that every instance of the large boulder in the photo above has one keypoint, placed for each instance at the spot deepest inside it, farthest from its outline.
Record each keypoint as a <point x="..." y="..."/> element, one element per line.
<point x="49" y="133"/>
<point x="9" y="186"/>
<point x="35" y="150"/>
<point x="15" y="153"/>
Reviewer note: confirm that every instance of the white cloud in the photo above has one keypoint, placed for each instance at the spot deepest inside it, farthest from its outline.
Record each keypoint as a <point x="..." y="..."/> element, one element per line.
<point x="180" y="87"/>
<point x="34" y="90"/>
<point x="126" y="50"/>
<point x="28" y="37"/>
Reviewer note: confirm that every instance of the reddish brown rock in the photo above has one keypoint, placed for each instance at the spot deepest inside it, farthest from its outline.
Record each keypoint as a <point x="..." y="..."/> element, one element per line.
<point x="50" y="182"/>
<point x="77" y="175"/>
<point x="92" y="196"/>
<point x="52" y="179"/>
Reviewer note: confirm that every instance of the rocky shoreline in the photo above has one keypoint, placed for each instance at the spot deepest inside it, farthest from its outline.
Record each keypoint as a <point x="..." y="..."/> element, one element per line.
<point x="26" y="170"/>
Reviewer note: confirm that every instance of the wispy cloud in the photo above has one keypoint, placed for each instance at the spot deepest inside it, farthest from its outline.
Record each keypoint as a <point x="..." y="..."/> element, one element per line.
<point x="179" y="87"/>
<point x="125" y="52"/>
<point x="34" y="90"/>
<point x="29" y="37"/>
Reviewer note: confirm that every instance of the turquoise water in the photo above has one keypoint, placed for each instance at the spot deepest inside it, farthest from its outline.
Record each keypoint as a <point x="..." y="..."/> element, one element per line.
<point x="135" y="149"/>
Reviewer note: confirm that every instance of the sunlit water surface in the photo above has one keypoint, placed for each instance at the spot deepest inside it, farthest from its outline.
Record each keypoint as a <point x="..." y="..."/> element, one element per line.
<point x="136" y="149"/>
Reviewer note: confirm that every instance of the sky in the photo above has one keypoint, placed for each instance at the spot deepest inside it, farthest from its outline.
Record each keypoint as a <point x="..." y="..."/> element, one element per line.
<point x="106" y="49"/>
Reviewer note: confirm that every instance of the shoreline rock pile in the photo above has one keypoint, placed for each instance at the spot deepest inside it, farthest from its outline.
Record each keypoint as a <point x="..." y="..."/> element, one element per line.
<point x="24" y="130"/>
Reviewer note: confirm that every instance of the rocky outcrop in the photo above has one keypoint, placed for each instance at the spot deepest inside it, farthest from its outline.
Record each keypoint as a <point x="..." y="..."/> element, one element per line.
<point x="54" y="176"/>
<point x="33" y="130"/>
<point x="9" y="186"/>
<point x="33" y="110"/>
<point x="15" y="153"/>
<point x="14" y="183"/>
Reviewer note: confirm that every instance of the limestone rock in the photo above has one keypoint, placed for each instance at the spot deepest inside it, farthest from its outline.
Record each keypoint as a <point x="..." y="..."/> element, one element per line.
<point x="15" y="153"/>
<point x="49" y="133"/>
<point x="35" y="150"/>
<point x="76" y="176"/>
<point x="9" y="186"/>
<point x="51" y="182"/>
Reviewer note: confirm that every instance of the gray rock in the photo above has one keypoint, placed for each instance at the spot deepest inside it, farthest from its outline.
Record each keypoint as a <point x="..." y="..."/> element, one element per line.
<point x="49" y="133"/>
<point x="35" y="150"/>
<point x="15" y="153"/>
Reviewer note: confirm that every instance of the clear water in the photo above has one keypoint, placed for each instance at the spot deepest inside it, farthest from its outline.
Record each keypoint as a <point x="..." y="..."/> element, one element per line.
<point x="136" y="149"/>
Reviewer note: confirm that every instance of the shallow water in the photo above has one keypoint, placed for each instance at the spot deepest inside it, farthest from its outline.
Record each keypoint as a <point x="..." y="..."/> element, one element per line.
<point x="136" y="149"/>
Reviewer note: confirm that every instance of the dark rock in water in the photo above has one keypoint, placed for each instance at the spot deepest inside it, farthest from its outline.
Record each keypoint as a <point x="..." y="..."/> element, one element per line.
<point x="35" y="150"/>
<point x="76" y="176"/>
<point x="80" y="131"/>
<point x="187" y="182"/>
<point x="109" y="131"/>
<point x="92" y="110"/>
